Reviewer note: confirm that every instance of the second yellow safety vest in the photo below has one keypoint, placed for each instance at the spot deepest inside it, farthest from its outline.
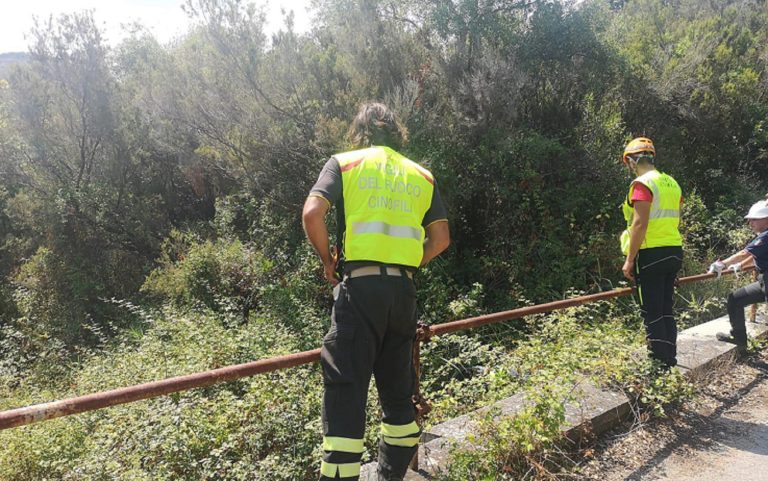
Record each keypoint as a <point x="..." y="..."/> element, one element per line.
<point x="386" y="197"/>
<point x="665" y="212"/>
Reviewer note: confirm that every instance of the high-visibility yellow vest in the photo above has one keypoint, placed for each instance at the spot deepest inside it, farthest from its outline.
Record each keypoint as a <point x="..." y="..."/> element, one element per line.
<point x="665" y="212"/>
<point x="385" y="199"/>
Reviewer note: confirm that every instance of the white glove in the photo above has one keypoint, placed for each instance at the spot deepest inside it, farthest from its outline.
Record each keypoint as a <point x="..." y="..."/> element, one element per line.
<point x="717" y="267"/>
<point x="735" y="268"/>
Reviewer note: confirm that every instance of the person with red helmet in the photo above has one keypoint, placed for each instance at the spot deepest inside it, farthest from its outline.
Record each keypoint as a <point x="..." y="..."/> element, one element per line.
<point x="652" y="245"/>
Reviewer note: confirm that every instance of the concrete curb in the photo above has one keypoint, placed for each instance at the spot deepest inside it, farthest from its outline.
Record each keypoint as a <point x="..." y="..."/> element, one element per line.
<point x="594" y="409"/>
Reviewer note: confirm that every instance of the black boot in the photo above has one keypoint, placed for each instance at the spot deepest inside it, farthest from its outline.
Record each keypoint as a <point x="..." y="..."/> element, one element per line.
<point x="385" y="474"/>
<point x="734" y="337"/>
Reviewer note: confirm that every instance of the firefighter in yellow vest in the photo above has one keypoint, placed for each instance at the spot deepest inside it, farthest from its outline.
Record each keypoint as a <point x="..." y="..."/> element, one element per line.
<point x="391" y="221"/>
<point x="652" y="245"/>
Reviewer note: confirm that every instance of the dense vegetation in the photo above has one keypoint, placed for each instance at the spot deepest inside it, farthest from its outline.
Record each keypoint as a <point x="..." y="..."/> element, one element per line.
<point x="150" y="200"/>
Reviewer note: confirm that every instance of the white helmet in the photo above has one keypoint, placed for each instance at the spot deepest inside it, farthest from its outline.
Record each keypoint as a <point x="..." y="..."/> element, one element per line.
<point x="759" y="210"/>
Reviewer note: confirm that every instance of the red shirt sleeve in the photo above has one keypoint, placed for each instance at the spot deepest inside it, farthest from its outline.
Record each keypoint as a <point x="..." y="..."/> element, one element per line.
<point x="642" y="193"/>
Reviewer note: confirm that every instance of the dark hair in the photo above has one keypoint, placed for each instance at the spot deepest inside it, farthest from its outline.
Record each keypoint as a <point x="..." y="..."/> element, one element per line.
<point x="376" y="124"/>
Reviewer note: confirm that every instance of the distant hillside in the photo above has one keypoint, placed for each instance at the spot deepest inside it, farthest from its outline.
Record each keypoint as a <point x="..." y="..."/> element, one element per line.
<point x="10" y="58"/>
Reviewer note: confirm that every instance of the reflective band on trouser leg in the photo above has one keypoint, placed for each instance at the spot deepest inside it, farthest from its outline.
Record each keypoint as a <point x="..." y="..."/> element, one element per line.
<point x="406" y="435"/>
<point x="402" y="442"/>
<point x="342" y="457"/>
<point x="343" y="445"/>
<point x="345" y="470"/>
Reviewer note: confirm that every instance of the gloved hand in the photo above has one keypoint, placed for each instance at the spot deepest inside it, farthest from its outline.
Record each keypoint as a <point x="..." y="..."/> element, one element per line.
<point x="717" y="267"/>
<point x="735" y="268"/>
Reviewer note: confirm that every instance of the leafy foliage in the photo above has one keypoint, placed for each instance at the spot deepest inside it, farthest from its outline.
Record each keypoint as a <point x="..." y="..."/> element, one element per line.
<point x="149" y="212"/>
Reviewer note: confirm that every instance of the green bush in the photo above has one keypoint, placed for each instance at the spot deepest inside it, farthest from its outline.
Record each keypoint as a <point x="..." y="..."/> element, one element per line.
<point x="222" y="133"/>
<point x="514" y="447"/>
<point x="264" y="427"/>
<point x="603" y="341"/>
<point x="222" y="275"/>
<point x="232" y="277"/>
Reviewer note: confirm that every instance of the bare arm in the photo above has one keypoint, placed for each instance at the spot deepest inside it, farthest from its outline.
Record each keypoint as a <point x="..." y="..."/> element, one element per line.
<point x="313" y="219"/>
<point x="637" y="232"/>
<point x="438" y="238"/>
<point x="743" y="258"/>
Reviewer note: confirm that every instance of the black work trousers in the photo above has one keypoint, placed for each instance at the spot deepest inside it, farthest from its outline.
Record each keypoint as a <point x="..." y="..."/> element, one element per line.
<point x="741" y="298"/>
<point x="655" y="272"/>
<point x="372" y="332"/>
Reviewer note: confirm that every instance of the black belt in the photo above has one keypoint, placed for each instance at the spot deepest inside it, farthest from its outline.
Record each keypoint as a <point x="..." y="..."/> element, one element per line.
<point x="377" y="271"/>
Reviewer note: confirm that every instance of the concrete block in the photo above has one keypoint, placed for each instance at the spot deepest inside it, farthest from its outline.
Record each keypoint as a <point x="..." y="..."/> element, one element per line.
<point x="592" y="408"/>
<point x="698" y="348"/>
<point x="458" y="428"/>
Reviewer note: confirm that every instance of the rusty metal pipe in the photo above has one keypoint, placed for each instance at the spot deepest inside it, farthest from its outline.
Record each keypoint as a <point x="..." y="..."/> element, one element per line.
<point x="91" y="402"/>
<point x="478" y="321"/>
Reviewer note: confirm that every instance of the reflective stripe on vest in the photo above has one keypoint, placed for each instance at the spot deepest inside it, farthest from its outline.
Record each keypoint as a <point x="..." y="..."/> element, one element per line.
<point x="386" y="229"/>
<point x="664" y="217"/>
<point x="385" y="199"/>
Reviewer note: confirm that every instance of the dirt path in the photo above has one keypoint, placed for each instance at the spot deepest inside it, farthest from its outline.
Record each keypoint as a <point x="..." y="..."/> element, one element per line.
<point x="722" y="435"/>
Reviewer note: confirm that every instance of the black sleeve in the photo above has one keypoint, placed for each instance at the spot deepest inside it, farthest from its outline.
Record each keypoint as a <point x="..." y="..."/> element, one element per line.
<point x="436" y="209"/>
<point x="328" y="184"/>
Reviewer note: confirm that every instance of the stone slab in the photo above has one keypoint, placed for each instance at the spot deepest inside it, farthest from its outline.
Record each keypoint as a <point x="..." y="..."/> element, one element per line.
<point x="459" y="428"/>
<point x="698" y="349"/>
<point x="594" y="409"/>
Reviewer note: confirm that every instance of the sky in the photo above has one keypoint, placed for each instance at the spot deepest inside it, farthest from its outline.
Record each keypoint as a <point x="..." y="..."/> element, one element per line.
<point x="164" y="18"/>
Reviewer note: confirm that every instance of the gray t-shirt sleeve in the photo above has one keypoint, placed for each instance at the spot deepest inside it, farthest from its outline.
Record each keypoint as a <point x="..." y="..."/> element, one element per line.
<point x="436" y="209"/>
<point x="328" y="185"/>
